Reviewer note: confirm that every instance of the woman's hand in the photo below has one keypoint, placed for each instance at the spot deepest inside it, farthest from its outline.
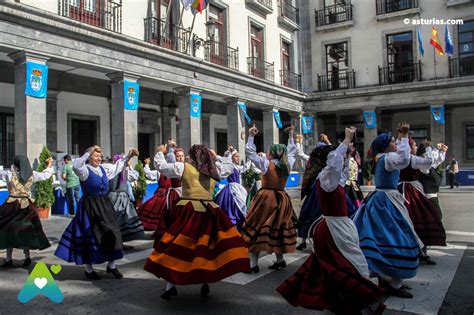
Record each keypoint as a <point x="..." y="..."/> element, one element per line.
<point x="253" y="131"/>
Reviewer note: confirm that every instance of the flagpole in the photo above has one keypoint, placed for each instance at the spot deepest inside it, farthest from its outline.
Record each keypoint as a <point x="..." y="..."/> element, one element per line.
<point x="181" y="16"/>
<point x="191" y="32"/>
<point x="434" y="59"/>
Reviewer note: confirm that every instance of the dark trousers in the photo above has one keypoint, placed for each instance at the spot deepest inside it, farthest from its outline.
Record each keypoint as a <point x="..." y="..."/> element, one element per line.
<point x="452" y="180"/>
<point x="72" y="196"/>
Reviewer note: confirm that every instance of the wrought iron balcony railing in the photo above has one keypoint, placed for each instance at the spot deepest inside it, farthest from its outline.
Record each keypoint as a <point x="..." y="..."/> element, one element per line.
<point x="459" y="67"/>
<point x="167" y="35"/>
<point x="261" y="69"/>
<point x="333" y="14"/>
<point x="389" y="6"/>
<point x="221" y="55"/>
<point x="101" y="13"/>
<point x="336" y="80"/>
<point x="290" y="79"/>
<point x="400" y="74"/>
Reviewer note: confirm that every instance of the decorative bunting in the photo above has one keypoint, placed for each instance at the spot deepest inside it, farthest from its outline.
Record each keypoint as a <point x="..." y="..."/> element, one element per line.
<point x="276" y="116"/>
<point x="243" y="108"/>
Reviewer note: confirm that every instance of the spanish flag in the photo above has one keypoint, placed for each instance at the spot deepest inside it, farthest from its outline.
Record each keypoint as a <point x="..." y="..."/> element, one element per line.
<point x="199" y="5"/>
<point x="434" y="41"/>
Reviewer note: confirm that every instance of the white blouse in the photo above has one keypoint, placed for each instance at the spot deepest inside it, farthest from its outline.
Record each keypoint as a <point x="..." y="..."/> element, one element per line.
<point x="111" y="170"/>
<point x="6" y="175"/>
<point x="336" y="171"/>
<point x="397" y="160"/>
<point x="151" y="174"/>
<point x="260" y="162"/>
<point x="422" y="163"/>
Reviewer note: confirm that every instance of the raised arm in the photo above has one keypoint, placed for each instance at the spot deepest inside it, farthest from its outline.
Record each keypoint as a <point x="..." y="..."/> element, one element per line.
<point x="151" y="175"/>
<point x="79" y="166"/>
<point x="44" y="175"/>
<point x="423" y="163"/>
<point x="172" y="170"/>
<point x="112" y="170"/>
<point x="6" y="176"/>
<point x="260" y="162"/>
<point x="299" y="149"/>
<point x="224" y="165"/>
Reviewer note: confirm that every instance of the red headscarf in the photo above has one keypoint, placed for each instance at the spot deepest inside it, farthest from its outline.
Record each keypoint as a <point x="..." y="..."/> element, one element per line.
<point x="204" y="161"/>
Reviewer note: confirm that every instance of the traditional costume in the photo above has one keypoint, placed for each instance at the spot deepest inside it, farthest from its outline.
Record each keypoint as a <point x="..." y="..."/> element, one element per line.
<point x="20" y="226"/>
<point x="165" y="197"/>
<point x="93" y="236"/>
<point x="130" y="225"/>
<point x="431" y="179"/>
<point x="352" y="187"/>
<point x="200" y="244"/>
<point x="268" y="225"/>
<point x="335" y="276"/>
<point x="387" y="237"/>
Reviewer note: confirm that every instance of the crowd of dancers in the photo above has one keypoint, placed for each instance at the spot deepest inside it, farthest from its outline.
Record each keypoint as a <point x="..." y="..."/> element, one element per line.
<point x="362" y="248"/>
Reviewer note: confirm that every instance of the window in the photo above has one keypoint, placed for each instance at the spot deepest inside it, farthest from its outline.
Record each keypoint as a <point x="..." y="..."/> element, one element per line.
<point x="257" y="68"/>
<point x="419" y="134"/>
<point x="399" y="50"/>
<point x="217" y="51"/>
<point x="470" y="142"/>
<point x="221" y="141"/>
<point x="7" y="139"/>
<point x="285" y="63"/>
<point x="83" y="135"/>
<point x="466" y="48"/>
<point x="337" y="62"/>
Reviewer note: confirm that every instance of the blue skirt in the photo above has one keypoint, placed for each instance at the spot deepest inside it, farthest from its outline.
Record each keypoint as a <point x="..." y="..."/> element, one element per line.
<point x="386" y="238"/>
<point x="84" y="242"/>
<point x="226" y="203"/>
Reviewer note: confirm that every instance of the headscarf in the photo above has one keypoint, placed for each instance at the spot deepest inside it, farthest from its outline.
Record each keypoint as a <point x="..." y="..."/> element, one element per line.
<point x="203" y="161"/>
<point x="23" y="167"/>
<point x="317" y="161"/>
<point x="381" y="143"/>
<point x="280" y="153"/>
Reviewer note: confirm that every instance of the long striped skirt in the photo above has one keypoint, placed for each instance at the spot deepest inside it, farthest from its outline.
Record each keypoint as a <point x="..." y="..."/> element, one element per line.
<point x="198" y="247"/>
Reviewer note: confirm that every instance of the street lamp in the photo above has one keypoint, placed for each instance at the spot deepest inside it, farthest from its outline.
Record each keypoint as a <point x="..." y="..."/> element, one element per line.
<point x="198" y="42"/>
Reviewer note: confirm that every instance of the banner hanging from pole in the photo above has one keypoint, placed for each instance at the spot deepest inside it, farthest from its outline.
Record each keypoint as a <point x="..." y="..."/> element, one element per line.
<point x="131" y="95"/>
<point x="438" y="113"/>
<point x="276" y="116"/>
<point x="243" y="108"/>
<point x="36" y="80"/>
<point x="370" y="120"/>
<point x="307" y="124"/>
<point x="195" y="105"/>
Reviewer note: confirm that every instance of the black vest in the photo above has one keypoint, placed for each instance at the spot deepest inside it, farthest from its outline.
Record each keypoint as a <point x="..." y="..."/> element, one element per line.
<point x="431" y="181"/>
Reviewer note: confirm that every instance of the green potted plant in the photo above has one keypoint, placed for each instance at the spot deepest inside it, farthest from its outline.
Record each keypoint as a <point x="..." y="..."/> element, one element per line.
<point x="139" y="190"/>
<point x="44" y="192"/>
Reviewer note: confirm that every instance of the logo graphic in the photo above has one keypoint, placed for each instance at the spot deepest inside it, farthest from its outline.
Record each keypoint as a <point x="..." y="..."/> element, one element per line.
<point x="195" y="105"/>
<point x="131" y="96"/>
<point x="41" y="281"/>
<point x="307" y="124"/>
<point x="36" y="80"/>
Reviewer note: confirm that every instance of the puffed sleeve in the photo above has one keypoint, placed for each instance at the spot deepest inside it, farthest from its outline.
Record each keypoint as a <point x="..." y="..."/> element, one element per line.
<point x="400" y="159"/>
<point x="44" y="175"/>
<point x="151" y="175"/>
<point x="260" y="162"/>
<point x="330" y="176"/>
<point x="113" y="170"/>
<point x="80" y="168"/>
<point x="172" y="170"/>
<point x="422" y="163"/>
<point x="6" y="176"/>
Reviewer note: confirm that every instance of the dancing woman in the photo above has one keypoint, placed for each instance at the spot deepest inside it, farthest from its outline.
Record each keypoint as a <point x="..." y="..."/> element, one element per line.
<point x="93" y="236"/>
<point x="352" y="185"/>
<point x="268" y="225"/>
<point x="20" y="226"/>
<point x="335" y="277"/>
<point x="200" y="244"/>
<point x="387" y="237"/>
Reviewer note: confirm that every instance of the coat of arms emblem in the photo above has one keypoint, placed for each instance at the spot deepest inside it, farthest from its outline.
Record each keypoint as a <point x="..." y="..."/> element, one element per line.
<point x="131" y="96"/>
<point x="36" y="80"/>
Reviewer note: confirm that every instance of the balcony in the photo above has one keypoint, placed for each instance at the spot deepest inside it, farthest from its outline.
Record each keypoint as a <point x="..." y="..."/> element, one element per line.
<point x="389" y="9"/>
<point x="334" y="16"/>
<point x="459" y="67"/>
<point x="261" y="6"/>
<point x="261" y="69"/>
<point x="338" y="80"/>
<point x="290" y="79"/>
<point x="288" y="16"/>
<point x="105" y="14"/>
<point x="222" y="55"/>
<point x="404" y="74"/>
<point x="167" y="35"/>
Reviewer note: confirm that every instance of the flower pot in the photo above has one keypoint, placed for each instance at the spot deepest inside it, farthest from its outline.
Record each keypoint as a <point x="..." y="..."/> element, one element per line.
<point x="43" y="213"/>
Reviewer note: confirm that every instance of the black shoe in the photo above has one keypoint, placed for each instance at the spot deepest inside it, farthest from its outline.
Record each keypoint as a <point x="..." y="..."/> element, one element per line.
<point x="386" y="285"/>
<point x="427" y="260"/>
<point x="115" y="272"/>
<point x="401" y="293"/>
<point x="27" y="262"/>
<point x="253" y="270"/>
<point x="8" y="263"/>
<point x="92" y="275"/>
<point x="168" y="294"/>
<point x="301" y="246"/>
<point x="278" y="265"/>
<point x="205" y="289"/>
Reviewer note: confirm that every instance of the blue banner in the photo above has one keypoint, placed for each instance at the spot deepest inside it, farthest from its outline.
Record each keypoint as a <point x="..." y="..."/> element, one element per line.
<point x="243" y="107"/>
<point x="307" y="124"/>
<point x="195" y="105"/>
<point x="36" y="80"/>
<point x="131" y="93"/>
<point x="438" y="113"/>
<point x="276" y="115"/>
<point x="370" y="119"/>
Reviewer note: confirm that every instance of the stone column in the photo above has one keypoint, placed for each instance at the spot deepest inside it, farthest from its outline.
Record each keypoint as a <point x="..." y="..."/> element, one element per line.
<point x="369" y="134"/>
<point x="168" y="124"/>
<point x="30" y="112"/>
<point x="206" y="130"/>
<point x="236" y="126"/>
<point x="270" y="129"/>
<point x="296" y="121"/>
<point x="438" y="131"/>
<point x="124" y="122"/>
<point x="189" y="127"/>
<point x="52" y="120"/>
<point x="311" y="139"/>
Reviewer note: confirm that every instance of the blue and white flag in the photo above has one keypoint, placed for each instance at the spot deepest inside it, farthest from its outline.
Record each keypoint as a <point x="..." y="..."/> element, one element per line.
<point x="187" y="4"/>
<point x="307" y="124"/>
<point x="276" y="116"/>
<point x="438" y="113"/>
<point x="36" y="80"/>
<point x="131" y="93"/>
<point x="195" y="105"/>
<point x="449" y="47"/>
<point x="370" y="119"/>
<point x="420" y="43"/>
<point x="243" y="108"/>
